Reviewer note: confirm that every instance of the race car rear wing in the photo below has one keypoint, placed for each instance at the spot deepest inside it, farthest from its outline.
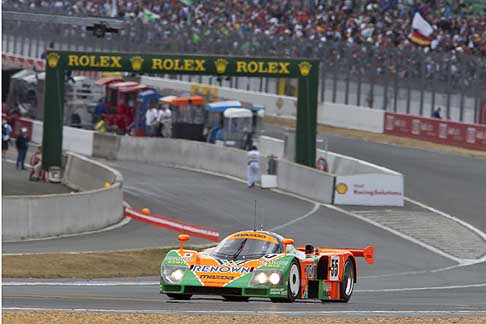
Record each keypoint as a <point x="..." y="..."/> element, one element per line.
<point x="367" y="253"/>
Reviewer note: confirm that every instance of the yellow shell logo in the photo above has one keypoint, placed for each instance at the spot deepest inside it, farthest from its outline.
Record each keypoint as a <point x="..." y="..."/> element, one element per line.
<point x="221" y="65"/>
<point x="305" y="68"/>
<point x="52" y="60"/>
<point x="137" y="62"/>
<point x="341" y="188"/>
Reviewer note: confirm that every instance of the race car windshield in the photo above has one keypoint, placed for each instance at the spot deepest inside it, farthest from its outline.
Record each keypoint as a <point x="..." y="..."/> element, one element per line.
<point x="241" y="249"/>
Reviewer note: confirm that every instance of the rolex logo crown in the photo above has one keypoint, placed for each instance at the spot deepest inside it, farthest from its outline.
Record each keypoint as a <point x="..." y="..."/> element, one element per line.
<point x="52" y="60"/>
<point x="305" y="68"/>
<point x="137" y="62"/>
<point x="221" y="65"/>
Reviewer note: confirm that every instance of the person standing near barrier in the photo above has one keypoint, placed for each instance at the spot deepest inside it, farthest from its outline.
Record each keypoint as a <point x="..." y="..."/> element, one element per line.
<point x="253" y="169"/>
<point x="165" y="121"/>
<point x="6" y="131"/>
<point x="151" y="121"/>
<point x="22" y="144"/>
<point x="436" y="113"/>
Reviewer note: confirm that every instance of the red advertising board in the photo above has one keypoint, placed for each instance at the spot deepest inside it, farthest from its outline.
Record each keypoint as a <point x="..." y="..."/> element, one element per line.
<point x="472" y="136"/>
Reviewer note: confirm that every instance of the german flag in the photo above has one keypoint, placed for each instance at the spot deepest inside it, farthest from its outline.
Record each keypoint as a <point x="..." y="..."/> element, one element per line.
<point x="420" y="39"/>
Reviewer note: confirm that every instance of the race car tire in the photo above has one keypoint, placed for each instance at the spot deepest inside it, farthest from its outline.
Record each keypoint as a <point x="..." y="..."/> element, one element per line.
<point x="293" y="290"/>
<point x="236" y="298"/>
<point x="347" y="283"/>
<point x="180" y="296"/>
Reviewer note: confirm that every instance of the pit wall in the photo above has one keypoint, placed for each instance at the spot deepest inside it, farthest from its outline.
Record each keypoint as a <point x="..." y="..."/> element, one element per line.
<point x="95" y="207"/>
<point x="292" y="177"/>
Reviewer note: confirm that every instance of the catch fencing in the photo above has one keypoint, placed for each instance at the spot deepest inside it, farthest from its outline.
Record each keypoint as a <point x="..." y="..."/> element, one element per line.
<point x="396" y="80"/>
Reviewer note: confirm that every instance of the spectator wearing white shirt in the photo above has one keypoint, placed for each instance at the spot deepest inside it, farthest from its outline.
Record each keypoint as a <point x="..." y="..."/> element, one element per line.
<point x="253" y="170"/>
<point x="151" y="117"/>
<point x="165" y="121"/>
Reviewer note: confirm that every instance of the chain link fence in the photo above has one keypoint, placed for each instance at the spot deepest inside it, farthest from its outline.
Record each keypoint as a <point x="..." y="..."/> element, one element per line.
<point x="392" y="79"/>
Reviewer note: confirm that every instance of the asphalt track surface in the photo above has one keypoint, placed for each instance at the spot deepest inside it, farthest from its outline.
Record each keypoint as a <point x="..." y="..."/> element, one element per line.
<point x="406" y="280"/>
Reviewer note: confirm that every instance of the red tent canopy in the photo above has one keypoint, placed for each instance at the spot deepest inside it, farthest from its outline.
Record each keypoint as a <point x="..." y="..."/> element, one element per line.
<point x="136" y="88"/>
<point x="105" y="81"/>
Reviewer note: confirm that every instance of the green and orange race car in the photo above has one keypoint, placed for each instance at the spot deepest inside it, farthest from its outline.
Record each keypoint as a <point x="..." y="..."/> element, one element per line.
<point x="261" y="264"/>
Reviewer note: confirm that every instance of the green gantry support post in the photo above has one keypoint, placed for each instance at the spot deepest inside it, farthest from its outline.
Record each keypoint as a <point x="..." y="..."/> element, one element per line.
<point x="305" y="133"/>
<point x="305" y="70"/>
<point x="53" y="118"/>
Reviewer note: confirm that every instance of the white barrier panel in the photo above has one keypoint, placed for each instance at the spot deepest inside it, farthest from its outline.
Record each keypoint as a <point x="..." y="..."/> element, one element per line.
<point x="362" y="183"/>
<point x="345" y="165"/>
<point x="305" y="181"/>
<point x="78" y="140"/>
<point x="271" y="146"/>
<point x="352" y="117"/>
<point x="37" y="132"/>
<point x="83" y="174"/>
<point x="74" y="139"/>
<point x="369" y="190"/>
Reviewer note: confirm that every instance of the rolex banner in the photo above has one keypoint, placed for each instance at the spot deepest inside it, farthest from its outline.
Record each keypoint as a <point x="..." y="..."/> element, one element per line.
<point x="184" y="64"/>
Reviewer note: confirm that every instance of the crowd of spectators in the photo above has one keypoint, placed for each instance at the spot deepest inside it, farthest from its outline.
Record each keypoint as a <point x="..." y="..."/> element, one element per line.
<point x="359" y="33"/>
<point x="381" y="23"/>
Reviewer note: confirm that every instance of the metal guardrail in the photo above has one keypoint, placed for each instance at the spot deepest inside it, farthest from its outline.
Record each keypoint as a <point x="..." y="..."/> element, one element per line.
<point x="393" y="79"/>
<point x="16" y="16"/>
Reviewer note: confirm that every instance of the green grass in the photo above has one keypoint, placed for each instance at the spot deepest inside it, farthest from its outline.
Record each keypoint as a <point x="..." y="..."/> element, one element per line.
<point x="135" y="263"/>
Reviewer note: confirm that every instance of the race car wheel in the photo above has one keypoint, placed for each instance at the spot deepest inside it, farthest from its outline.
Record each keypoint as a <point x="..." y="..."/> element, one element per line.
<point x="180" y="296"/>
<point x="236" y="298"/>
<point x="347" y="284"/>
<point x="293" y="290"/>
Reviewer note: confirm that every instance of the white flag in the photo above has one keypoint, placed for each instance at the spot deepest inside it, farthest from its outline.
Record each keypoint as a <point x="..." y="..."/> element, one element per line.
<point x="421" y="25"/>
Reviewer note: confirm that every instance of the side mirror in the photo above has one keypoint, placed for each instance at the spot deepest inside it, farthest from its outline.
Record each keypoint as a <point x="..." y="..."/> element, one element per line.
<point x="287" y="241"/>
<point x="182" y="238"/>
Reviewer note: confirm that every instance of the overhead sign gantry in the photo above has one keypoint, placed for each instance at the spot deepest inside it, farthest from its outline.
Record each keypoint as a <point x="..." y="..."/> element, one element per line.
<point x="58" y="62"/>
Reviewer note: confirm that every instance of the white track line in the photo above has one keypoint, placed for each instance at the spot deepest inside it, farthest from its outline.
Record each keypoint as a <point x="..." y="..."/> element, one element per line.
<point x="298" y="219"/>
<point x="96" y="283"/>
<point x="422" y="288"/>
<point x="255" y="313"/>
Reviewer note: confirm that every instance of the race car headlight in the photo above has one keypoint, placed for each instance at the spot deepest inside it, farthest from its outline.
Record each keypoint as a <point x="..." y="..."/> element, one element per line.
<point x="261" y="278"/>
<point x="274" y="278"/>
<point x="172" y="274"/>
<point x="266" y="278"/>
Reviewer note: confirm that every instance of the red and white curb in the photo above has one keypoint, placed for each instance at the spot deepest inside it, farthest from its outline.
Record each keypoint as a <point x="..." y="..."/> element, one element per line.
<point x="174" y="225"/>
